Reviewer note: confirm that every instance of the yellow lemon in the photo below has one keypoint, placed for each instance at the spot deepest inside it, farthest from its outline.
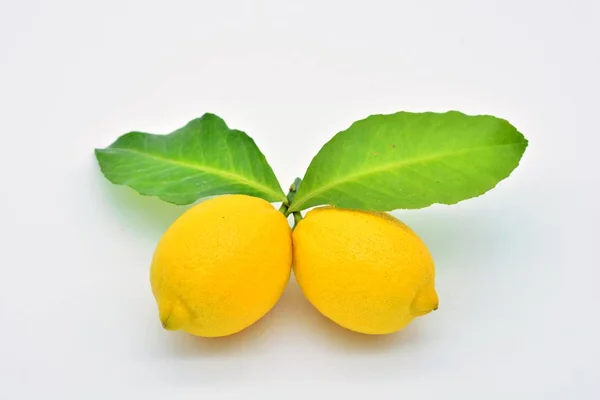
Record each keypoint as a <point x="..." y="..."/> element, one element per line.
<point x="221" y="266"/>
<point x="366" y="271"/>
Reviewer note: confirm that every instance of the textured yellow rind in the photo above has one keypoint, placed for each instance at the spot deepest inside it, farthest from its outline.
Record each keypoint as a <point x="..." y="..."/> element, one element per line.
<point x="367" y="271"/>
<point x="221" y="266"/>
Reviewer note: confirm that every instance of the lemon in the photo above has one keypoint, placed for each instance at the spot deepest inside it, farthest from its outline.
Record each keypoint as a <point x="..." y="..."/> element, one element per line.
<point x="366" y="271"/>
<point x="221" y="266"/>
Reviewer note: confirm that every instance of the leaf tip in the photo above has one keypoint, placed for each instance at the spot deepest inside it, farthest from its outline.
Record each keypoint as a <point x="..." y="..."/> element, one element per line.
<point x="99" y="153"/>
<point x="208" y="116"/>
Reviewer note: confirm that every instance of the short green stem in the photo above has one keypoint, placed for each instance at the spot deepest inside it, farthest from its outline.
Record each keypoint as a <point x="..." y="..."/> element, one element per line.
<point x="293" y="189"/>
<point x="283" y="209"/>
<point x="297" y="218"/>
<point x="290" y="197"/>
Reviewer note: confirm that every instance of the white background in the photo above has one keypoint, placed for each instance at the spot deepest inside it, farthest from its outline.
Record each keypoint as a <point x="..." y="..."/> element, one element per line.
<point x="518" y="268"/>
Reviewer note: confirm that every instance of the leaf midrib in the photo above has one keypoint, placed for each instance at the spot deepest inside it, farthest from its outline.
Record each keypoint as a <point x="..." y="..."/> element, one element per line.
<point x="389" y="166"/>
<point x="227" y="175"/>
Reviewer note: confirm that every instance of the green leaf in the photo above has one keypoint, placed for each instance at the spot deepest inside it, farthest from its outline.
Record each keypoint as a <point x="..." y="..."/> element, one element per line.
<point x="411" y="160"/>
<point x="204" y="158"/>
